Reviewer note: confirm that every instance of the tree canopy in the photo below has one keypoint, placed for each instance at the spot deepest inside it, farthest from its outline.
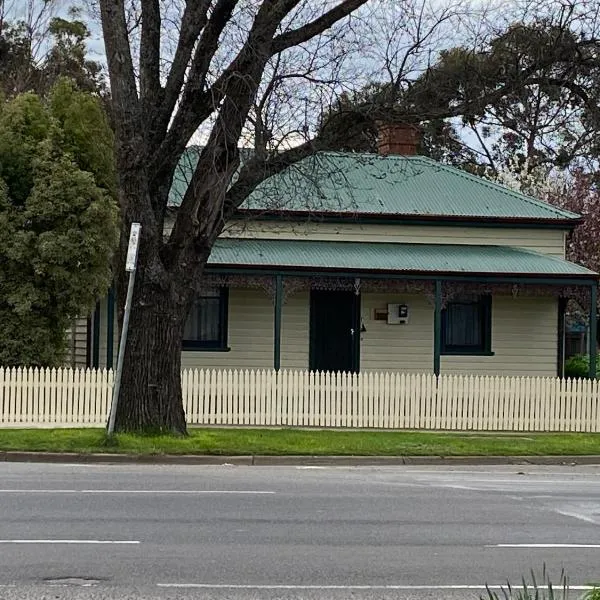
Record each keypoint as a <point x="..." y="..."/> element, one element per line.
<point x="36" y="52"/>
<point x="529" y="91"/>
<point x="58" y="219"/>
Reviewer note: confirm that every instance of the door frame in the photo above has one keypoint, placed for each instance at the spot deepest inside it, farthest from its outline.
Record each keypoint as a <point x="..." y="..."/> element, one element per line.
<point x="356" y="318"/>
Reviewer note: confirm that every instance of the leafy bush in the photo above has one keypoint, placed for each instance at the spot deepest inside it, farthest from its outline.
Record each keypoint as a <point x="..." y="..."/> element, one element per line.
<point x="579" y="366"/>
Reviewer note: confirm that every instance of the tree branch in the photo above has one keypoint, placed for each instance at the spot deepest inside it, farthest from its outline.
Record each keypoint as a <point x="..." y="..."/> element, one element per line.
<point x="150" y="89"/>
<point x="255" y="171"/>
<point x="314" y="28"/>
<point x="205" y="50"/>
<point x="120" y="66"/>
<point x="193" y="21"/>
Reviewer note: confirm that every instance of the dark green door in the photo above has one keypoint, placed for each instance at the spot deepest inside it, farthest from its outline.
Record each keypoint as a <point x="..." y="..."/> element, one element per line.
<point x="334" y="331"/>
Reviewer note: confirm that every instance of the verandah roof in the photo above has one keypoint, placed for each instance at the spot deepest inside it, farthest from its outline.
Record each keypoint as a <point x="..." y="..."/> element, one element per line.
<point x="356" y="257"/>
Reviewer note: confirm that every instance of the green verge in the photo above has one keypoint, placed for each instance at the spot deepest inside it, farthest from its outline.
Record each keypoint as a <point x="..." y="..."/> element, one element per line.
<point x="303" y="442"/>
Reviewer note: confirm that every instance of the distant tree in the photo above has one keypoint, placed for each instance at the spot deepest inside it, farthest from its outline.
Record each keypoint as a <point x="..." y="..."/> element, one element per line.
<point x="576" y="191"/>
<point x="58" y="219"/>
<point x="528" y="91"/>
<point x="38" y="48"/>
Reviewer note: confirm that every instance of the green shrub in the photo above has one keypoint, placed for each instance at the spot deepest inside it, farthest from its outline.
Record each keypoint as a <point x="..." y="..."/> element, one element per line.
<point x="579" y="366"/>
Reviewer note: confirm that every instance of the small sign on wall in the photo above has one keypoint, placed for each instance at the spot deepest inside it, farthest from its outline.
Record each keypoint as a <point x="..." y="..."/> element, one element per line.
<point x="397" y="314"/>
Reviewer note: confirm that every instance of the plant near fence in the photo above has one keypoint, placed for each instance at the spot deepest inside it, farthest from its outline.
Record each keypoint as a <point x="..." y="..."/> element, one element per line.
<point x="579" y="366"/>
<point x="72" y="397"/>
<point x="534" y="591"/>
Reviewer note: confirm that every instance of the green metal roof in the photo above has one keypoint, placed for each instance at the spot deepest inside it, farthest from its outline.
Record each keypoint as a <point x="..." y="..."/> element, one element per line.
<point x="389" y="258"/>
<point x="387" y="186"/>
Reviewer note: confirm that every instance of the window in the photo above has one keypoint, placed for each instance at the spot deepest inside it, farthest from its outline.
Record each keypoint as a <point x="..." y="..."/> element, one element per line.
<point x="467" y="326"/>
<point x="206" y="326"/>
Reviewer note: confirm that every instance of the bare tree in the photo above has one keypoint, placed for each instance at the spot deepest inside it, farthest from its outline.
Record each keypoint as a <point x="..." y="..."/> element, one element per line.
<point x="174" y="70"/>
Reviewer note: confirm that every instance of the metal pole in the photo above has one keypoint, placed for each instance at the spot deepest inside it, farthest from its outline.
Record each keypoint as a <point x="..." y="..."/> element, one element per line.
<point x="130" y="267"/>
<point x="121" y="358"/>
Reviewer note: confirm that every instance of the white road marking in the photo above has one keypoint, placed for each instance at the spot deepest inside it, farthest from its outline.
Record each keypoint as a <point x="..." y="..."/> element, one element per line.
<point x="70" y="542"/>
<point x="575" y="515"/>
<point x="189" y="492"/>
<point x="227" y="586"/>
<point x="543" y="546"/>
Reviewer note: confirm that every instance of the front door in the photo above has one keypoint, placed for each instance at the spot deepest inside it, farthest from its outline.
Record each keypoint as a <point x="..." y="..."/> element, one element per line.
<point x="334" y="331"/>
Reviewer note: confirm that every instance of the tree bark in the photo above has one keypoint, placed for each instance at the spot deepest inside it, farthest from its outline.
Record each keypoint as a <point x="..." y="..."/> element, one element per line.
<point x="150" y="398"/>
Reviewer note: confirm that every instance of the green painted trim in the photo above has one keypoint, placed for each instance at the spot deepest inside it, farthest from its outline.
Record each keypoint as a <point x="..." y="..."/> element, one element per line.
<point x="593" y="330"/>
<point x="485" y="304"/>
<point x="185" y="348"/>
<point x="469" y="353"/>
<point x="586" y="280"/>
<point x="219" y="345"/>
<point x="96" y="337"/>
<point x="417" y="220"/>
<point x="437" y="328"/>
<point x="277" y="322"/>
<point x="110" y="327"/>
<point x="560" y="354"/>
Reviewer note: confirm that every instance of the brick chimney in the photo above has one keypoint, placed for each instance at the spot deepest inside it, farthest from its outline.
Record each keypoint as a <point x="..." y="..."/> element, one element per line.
<point x="398" y="138"/>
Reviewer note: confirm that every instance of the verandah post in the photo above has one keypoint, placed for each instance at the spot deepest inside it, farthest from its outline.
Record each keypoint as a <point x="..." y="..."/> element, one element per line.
<point x="593" y="329"/>
<point x="277" y="323"/>
<point x="437" y="328"/>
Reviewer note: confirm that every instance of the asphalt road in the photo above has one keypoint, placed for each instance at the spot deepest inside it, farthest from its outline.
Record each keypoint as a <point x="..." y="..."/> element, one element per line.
<point x="75" y="531"/>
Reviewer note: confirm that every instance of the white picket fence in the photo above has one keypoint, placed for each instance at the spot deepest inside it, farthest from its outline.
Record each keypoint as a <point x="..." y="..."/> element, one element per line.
<point x="72" y="397"/>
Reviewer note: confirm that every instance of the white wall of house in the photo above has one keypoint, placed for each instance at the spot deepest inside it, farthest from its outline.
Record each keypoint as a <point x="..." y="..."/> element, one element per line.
<point x="524" y="340"/>
<point x="407" y="347"/>
<point x="524" y="336"/>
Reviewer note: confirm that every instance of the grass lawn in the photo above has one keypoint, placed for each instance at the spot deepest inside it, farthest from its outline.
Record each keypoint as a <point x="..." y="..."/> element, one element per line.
<point x="307" y="442"/>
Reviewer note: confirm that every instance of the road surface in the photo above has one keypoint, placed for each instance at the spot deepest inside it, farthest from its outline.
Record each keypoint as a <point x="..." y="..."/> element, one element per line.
<point x="129" y="531"/>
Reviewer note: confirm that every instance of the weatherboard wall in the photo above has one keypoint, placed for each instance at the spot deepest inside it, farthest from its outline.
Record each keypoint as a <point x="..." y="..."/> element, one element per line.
<point x="544" y="241"/>
<point x="524" y="340"/>
<point x="524" y="336"/>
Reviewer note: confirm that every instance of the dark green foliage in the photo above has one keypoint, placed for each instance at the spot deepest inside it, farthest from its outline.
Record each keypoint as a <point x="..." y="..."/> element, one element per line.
<point x="58" y="219"/>
<point x="528" y="94"/>
<point x="23" y="70"/>
<point x="579" y="366"/>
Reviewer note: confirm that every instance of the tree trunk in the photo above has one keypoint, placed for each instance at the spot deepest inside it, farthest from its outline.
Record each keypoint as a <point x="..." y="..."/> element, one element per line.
<point x="150" y="397"/>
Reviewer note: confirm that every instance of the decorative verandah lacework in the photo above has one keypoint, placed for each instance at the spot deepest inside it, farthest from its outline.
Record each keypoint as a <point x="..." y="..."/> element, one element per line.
<point x="450" y="289"/>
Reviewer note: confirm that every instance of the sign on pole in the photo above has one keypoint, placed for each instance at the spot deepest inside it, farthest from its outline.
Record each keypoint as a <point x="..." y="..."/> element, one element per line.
<point x="130" y="266"/>
<point x="132" y="249"/>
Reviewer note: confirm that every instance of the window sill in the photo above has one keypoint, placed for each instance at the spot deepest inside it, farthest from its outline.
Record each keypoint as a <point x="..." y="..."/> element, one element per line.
<point x="468" y="353"/>
<point x="186" y="348"/>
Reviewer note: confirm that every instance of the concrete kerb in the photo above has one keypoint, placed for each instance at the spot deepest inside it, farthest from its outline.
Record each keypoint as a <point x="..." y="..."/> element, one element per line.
<point x="263" y="460"/>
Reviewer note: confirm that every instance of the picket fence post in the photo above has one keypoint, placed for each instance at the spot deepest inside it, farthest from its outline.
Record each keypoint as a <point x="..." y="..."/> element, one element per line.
<point x="63" y="397"/>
